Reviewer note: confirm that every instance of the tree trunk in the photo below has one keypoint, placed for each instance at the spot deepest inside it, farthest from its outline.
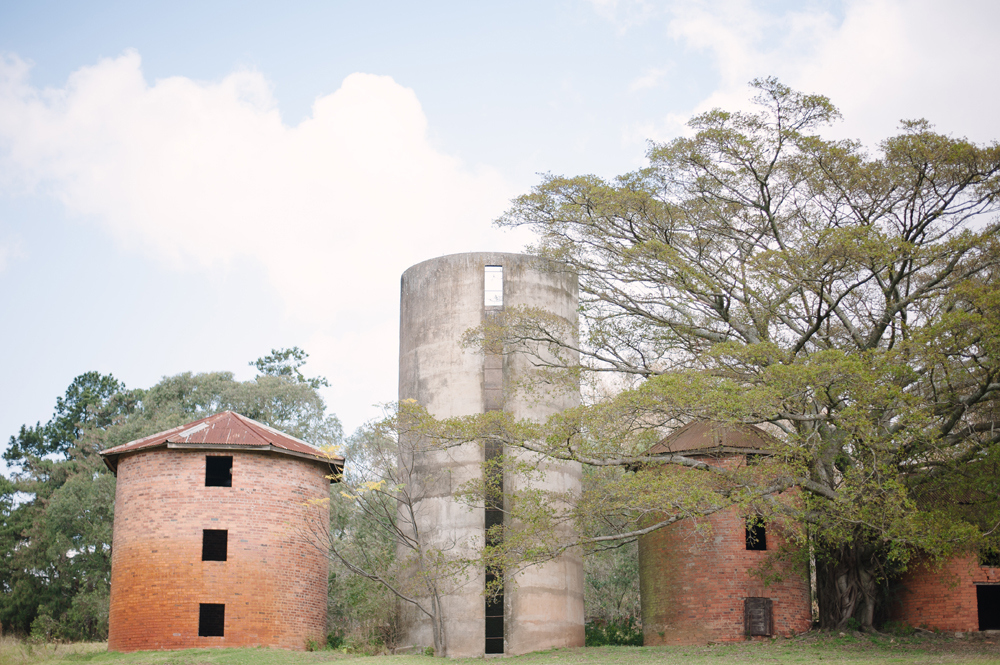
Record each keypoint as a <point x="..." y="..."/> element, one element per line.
<point x="847" y="586"/>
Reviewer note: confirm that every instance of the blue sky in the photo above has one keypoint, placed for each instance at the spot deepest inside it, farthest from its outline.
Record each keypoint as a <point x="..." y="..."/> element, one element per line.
<point x="185" y="186"/>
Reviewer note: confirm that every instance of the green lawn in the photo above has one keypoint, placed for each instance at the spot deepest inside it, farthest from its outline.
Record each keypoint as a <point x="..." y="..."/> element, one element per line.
<point x="812" y="648"/>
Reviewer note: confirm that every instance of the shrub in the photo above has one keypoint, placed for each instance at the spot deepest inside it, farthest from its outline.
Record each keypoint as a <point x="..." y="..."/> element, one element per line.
<point x="625" y="631"/>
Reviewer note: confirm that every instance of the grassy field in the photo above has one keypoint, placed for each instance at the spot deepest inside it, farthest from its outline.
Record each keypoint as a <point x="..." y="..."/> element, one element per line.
<point x="812" y="648"/>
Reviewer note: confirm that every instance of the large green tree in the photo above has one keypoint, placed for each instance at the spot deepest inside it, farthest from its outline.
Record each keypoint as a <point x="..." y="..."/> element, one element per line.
<point x="757" y="272"/>
<point x="57" y="506"/>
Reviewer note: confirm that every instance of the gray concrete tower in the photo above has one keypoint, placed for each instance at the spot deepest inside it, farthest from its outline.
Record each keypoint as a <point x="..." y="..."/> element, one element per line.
<point x="440" y="300"/>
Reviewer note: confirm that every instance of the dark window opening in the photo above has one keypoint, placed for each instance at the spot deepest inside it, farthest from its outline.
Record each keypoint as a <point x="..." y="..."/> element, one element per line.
<point x="214" y="544"/>
<point x="989" y="556"/>
<point x="218" y="471"/>
<point x="756" y="534"/>
<point x="753" y="459"/>
<point x="212" y="620"/>
<point x="988" y="600"/>
<point x="757" y="616"/>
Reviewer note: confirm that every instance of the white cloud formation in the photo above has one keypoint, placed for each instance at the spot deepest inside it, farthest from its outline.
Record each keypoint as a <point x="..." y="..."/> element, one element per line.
<point x="885" y="60"/>
<point x="651" y="78"/>
<point x="625" y="14"/>
<point x="9" y="249"/>
<point x="199" y="174"/>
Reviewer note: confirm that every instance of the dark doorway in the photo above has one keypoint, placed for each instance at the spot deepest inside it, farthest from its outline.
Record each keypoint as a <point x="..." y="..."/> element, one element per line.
<point x="988" y="599"/>
<point x="212" y="620"/>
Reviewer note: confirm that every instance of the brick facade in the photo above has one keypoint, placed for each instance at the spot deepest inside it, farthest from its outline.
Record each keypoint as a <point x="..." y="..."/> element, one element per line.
<point x="694" y="581"/>
<point x="943" y="598"/>
<point x="274" y="581"/>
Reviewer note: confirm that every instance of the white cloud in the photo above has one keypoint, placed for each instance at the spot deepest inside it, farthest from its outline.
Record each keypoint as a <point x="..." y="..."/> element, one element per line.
<point x="882" y="61"/>
<point x="9" y="250"/>
<point x="199" y="174"/>
<point x="651" y="78"/>
<point x="626" y="14"/>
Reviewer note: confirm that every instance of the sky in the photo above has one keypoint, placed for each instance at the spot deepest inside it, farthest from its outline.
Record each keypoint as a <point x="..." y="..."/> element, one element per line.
<point x="185" y="186"/>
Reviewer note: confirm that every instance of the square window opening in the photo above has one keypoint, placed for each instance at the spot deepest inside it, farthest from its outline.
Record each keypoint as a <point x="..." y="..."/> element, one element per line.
<point x="756" y="534"/>
<point x="494" y="286"/>
<point x="214" y="544"/>
<point x="219" y="471"/>
<point x="212" y="620"/>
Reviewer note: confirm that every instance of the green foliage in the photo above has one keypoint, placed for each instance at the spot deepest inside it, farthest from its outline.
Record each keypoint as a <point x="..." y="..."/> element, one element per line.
<point x="363" y="539"/>
<point x="92" y="400"/>
<point x="286" y="363"/>
<point x="624" y="632"/>
<point x="611" y="579"/>
<point x="758" y="273"/>
<point x="57" y="507"/>
<point x="898" y="628"/>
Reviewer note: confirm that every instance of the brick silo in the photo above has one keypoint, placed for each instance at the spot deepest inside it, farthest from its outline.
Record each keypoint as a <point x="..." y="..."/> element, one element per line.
<point x="698" y="586"/>
<point x="218" y="538"/>
<point x="961" y="594"/>
<point x="441" y="299"/>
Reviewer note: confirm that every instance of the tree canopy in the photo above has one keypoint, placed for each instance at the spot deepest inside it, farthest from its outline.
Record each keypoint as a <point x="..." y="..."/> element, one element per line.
<point x="57" y="505"/>
<point x="756" y="272"/>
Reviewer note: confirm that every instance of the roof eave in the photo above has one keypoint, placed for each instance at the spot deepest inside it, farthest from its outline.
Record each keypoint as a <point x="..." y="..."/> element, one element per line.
<point x="335" y="462"/>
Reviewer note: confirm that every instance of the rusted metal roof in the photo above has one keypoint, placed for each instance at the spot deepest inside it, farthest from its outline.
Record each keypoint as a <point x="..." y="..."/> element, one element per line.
<point x="713" y="438"/>
<point x="226" y="430"/>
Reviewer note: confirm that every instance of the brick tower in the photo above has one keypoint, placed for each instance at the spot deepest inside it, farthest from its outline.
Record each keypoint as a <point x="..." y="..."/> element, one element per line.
<point x="217" y="538"/>
<point x="698" y="587"/>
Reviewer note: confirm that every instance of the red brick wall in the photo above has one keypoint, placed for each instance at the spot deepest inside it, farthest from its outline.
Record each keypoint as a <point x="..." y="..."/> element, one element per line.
<point x="693" y="583"/>
<point x="943" y="598"/>
<point x="274" y="583"/>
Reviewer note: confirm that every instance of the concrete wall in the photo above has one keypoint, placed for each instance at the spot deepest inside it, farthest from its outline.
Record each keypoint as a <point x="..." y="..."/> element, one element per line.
<point x="693" y="584"/>
<point x="440" y="300"/>
<point x="274" y="581"/>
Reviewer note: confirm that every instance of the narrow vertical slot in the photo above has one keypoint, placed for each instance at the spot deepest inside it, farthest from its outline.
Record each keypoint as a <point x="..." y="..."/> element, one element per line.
<point x="493" y="467"/>
<point x="494" y="525"/>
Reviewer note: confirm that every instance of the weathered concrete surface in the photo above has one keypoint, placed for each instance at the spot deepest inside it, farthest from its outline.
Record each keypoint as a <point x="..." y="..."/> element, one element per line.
<point x="440" y="300"/>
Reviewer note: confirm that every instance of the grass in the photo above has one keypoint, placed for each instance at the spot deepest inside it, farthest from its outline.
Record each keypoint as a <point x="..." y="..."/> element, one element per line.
<point x="811" y="648"/>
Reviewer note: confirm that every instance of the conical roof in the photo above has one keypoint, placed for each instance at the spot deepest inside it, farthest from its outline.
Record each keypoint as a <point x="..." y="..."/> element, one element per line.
<point x="708" y="438"/>
<point x="226" y="430"/>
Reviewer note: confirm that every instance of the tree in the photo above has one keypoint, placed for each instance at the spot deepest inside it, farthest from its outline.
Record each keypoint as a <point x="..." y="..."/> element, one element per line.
<point x="286" y="363"/>
<point x="375" y="537"/>
<point x="85" y="404"/>
<point x="756" y="272"/>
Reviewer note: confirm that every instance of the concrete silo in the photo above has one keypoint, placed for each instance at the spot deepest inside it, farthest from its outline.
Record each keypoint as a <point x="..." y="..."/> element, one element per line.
<point x="440" y="300"/>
